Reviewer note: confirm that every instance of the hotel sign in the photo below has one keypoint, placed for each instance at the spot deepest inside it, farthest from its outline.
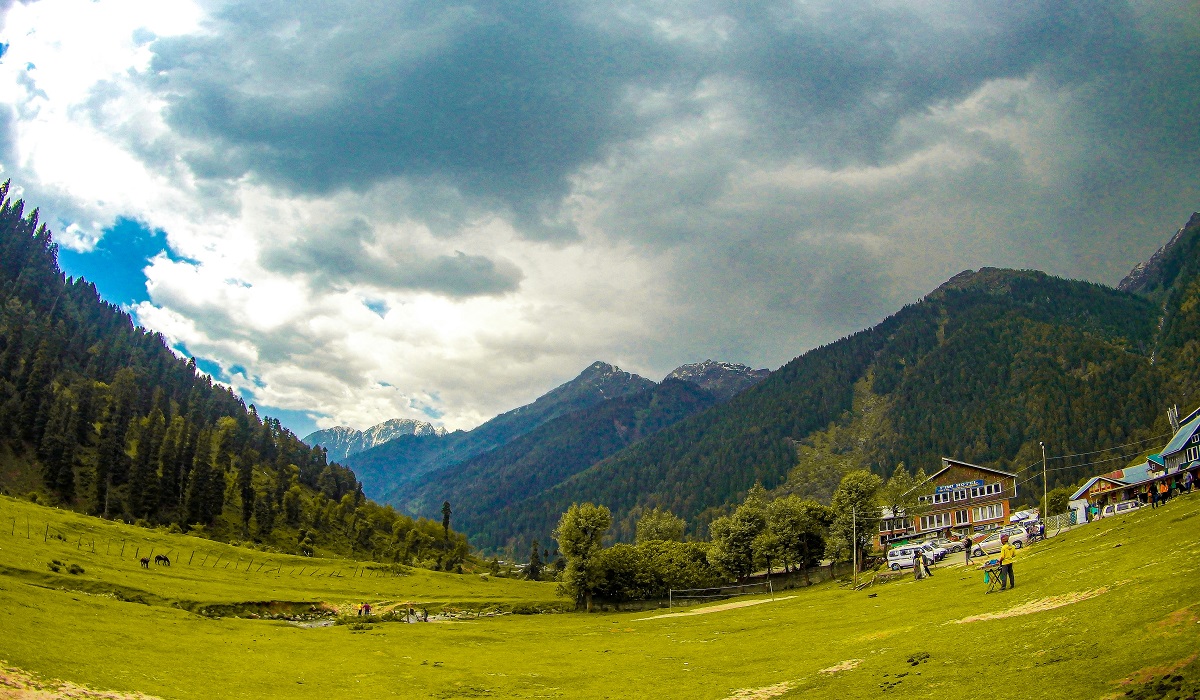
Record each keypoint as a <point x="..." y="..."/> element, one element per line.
<point x="961" y="485"/>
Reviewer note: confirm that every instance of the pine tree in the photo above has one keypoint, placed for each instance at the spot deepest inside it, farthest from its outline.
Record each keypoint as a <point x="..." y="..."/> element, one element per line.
<point x="143" y="476"/>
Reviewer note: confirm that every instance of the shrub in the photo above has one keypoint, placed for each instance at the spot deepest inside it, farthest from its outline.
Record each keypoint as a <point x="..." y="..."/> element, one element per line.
<point x="54" y="566"/>
<point x="75" y="569"/>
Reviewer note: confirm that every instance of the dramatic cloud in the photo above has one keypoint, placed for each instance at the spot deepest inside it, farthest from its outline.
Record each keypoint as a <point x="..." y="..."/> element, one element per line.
<point x="434" y="210"/>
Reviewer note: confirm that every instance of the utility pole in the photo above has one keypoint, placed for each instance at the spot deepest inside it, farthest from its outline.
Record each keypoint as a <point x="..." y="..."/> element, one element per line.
<point x="854" y="541"/>
<point x="1045" y="496"/>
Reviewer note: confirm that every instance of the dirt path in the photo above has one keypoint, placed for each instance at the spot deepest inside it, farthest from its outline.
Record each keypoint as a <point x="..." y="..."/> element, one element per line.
<point x="1038" y="605"/>
<point x="18" y="684"/>
<point x="715" y="608"/>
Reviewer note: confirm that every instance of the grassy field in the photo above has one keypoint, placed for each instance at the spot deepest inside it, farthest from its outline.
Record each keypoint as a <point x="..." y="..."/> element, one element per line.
<point x="1104" y="610"/>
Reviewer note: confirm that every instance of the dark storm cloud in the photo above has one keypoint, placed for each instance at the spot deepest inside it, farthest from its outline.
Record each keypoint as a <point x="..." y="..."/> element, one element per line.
<point x="501" y="100"/>
<point x="352" y="255"/>
<point x="833" y="84"/>
<point x="504" y="101"/>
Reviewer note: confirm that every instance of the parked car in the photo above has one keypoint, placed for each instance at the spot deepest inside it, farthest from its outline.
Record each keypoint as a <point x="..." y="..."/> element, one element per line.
<point x="934" y="552"/>
<point x="951" y="546"/>
<point x="1023" y="516"/>
<point x="1120" y="508"/>
<point x="991" y="543"/>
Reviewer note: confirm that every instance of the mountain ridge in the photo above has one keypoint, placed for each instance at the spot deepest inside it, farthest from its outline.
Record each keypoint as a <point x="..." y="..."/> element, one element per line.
<point x="983" y="368"/>
<point x="342" y="441"/>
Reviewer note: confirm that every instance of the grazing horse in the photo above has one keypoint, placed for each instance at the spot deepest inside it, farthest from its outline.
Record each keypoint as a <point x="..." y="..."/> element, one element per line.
<point x="162" y="559"/>
<point x="145" y="562"/>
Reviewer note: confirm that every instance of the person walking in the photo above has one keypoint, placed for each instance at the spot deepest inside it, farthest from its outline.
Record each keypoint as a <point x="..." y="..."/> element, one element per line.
<point x="967" y="549"/>
<point x="1164" y="492"/>
<point x="1007" y="554"/>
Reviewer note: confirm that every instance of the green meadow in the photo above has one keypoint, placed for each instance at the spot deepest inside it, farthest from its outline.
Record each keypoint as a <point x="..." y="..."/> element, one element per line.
<point x="1111" y="609"/>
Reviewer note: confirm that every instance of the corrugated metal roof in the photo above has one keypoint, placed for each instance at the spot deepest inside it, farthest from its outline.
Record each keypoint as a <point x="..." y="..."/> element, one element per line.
<point x="1177" y="443"/>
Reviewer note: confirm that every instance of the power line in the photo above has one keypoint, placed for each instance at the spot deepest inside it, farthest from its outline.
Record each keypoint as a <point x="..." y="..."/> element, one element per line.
<point x="1093" y="452"/>
<point x="1110" y="449"/>
<point x="1086" y="464"/>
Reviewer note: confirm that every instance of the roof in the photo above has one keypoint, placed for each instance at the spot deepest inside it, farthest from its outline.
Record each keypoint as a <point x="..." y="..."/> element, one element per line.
<point x="1084" y="489"/>
<point x="954" y="462"/>
<point x="1157" y="459"/>
<point x="1133" y="475"/>
<point x="958" y="463"/>
<point x="1185" y="433"/>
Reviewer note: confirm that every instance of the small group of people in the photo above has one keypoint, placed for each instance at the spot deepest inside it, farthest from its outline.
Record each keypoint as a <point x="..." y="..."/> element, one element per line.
<point x="364" y="610"/>
<point x="1158" y="494"/>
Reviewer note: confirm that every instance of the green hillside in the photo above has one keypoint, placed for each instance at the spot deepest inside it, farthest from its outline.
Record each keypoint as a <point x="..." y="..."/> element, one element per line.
<point x="483" y="488"/>
<point x="393" y="467"/>
<point x="99" y="415"/>
<point x="982" y="369"/>
<point x="1104" y="611"/>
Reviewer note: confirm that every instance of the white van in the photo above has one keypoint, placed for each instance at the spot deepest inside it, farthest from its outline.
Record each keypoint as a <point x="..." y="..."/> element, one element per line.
<point x="901" y="556"/>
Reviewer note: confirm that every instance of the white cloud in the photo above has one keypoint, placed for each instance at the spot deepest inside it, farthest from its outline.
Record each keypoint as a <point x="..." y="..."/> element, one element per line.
<point x="715" y="186"/>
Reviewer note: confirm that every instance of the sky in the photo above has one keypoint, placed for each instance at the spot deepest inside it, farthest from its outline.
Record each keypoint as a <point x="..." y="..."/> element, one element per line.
<point x="352" y="211"/>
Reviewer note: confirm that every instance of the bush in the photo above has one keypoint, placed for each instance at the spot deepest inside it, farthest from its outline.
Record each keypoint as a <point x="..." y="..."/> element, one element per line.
<point x="75" y="569"/>
<point x="54" y="566"/>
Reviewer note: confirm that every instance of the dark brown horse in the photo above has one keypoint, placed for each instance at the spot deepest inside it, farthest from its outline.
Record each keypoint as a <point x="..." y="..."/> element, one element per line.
<point x="162" y="559"/>
<point x="145" y="562"/>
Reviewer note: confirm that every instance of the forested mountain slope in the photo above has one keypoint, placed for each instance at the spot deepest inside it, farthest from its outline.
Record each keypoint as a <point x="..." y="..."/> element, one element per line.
<point x="99" y="415"/>
<point x="393" y="466"/>
<point x="982" y="369"/>
<point x="482" y="487"/>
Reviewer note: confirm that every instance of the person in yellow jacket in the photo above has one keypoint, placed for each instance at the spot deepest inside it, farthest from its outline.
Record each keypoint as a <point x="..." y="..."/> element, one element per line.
<point x="1007" y="554"/>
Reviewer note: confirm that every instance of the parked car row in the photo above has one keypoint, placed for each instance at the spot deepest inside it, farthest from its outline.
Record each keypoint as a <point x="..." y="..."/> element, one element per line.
<point x="902" y="556"/>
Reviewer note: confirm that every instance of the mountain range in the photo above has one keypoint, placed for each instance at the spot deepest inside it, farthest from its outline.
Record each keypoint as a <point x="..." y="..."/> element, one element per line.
<point x="340" y="441"/>
<point x="400" y="471"/>
<point x="983" y="368"/>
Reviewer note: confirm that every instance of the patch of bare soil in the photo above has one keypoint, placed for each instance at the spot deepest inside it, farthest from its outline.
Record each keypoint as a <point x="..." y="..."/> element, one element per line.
<point x="715" y="608"/>
<point x="847" y="665"/>
<point x="770" y="691"/>
<point x="1176" y="623"/>
<point x="15" y="683"/>
<point x="1039" y="605"/>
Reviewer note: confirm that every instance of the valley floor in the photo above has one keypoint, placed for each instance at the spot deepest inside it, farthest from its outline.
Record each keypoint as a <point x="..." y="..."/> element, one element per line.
<point x="1107" y="610"/>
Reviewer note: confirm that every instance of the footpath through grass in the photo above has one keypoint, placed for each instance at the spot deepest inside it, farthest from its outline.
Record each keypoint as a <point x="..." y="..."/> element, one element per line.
<point x="1104" y="610"/>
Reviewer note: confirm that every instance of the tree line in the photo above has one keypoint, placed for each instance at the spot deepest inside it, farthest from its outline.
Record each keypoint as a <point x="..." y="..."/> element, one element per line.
<point x="762" y="533"/>
<point x="100" y="415"/>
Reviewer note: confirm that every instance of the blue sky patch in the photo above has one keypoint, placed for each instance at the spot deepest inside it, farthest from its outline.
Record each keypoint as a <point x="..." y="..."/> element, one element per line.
<point x="116" y="265"/>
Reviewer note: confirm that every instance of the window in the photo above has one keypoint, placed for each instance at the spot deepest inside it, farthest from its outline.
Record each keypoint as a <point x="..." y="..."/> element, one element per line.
<point x="960" y="517"/>
<point x="960" y="495"/>
<point x="995" y="510"/>
<point x="935" y="521"/>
